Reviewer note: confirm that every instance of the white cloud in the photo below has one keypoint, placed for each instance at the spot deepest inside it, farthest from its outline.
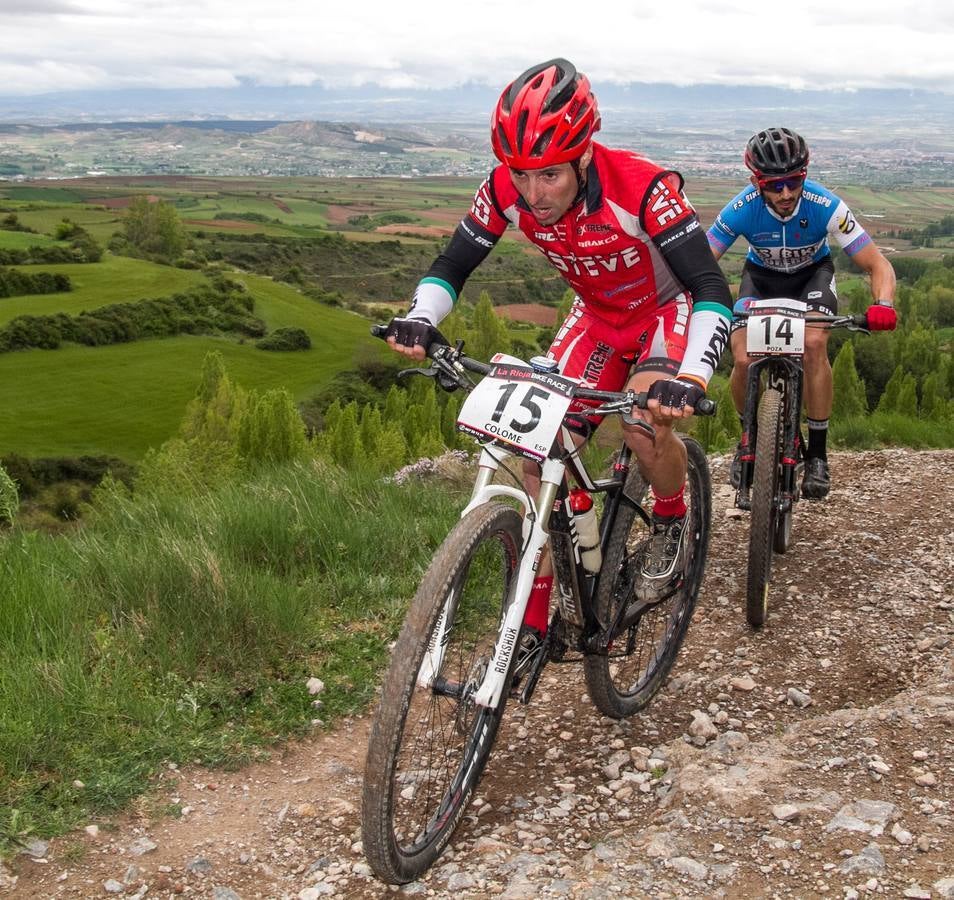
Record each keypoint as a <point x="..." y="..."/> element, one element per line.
<point x="69" y="44"/>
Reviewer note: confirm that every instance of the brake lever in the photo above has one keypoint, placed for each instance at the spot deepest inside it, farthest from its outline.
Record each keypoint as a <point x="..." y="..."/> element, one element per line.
<point x="641" y="423"/>
<point x="429" y="372"/>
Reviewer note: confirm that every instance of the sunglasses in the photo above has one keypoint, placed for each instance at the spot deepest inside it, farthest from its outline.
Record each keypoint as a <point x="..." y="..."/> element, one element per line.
<point x="777" y="185"/>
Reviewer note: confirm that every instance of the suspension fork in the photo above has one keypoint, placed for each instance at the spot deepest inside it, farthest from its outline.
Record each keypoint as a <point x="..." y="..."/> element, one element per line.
<point x="535" y="536"/>
<point x="535" y="539"/>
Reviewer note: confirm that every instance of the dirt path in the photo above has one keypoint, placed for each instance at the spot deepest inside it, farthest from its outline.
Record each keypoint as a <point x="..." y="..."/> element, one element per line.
<point x="813" y="759"/>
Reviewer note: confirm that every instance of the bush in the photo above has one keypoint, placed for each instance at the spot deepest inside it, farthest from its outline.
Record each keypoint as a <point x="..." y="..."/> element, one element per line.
<point x="218" y="308"/>
<point x="285" y="339"/>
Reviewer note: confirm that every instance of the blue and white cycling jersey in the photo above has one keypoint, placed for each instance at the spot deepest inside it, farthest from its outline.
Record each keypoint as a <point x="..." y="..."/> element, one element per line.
<point x="790" y="244"/>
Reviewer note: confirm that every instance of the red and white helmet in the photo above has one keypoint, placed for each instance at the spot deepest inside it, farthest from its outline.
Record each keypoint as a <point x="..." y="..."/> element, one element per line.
<point x="546" y="116"/>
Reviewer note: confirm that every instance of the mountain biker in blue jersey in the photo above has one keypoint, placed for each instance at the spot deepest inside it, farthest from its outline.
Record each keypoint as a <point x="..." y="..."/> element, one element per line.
<point x="788" y="221"/>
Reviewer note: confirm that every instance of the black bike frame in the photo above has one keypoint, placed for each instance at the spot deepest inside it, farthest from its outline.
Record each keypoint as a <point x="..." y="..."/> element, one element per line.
<point x="571" y="575"/>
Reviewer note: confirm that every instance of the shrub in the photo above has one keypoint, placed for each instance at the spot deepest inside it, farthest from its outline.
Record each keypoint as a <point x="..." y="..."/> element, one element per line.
<point x="285" y="339"/>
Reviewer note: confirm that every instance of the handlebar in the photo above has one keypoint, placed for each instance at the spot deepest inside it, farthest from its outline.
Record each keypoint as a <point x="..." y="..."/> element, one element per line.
<point x="852" y="323"/>
<point x="451" y="362"/>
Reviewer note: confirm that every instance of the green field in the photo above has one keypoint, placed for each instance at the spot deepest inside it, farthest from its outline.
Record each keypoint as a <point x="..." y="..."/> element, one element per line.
<point x="21" y="240"/>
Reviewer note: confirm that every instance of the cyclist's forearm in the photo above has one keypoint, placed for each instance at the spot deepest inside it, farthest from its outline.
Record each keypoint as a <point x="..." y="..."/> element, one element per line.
<point x="441" y="285"/>
<point x="883" y="281"/>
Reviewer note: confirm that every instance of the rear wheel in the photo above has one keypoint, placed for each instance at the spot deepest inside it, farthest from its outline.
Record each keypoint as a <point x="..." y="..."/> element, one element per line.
<point x="765" y="521"/>
<point x="429" y="741"/>
<point x="649" y="630"/>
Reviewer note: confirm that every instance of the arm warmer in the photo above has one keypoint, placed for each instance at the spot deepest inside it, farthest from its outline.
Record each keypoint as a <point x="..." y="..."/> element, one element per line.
<point x="441" y="285"/>
<point x="692" y="263"/>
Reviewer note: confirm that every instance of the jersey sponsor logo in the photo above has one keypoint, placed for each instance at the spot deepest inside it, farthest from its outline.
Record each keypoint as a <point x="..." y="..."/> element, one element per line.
<point x="766" y="236"/>
<point x="599" y="242"/>
<point x="594" y="265"/>
<point x="720" y="337"/>
<point x="846" y="225"/>
<point x="596" y="363"/>
<point x="594" y="226"/>
<point x="803" y="223"/>
<point x="817" y="198"/>
<point x="665" y="205"/>
<point x="785" y="257"/>
<point x="482" y="204"/>
<point x="544" y="236"/>
<point x="813" y="295"/>
<point x="476" y="238"/>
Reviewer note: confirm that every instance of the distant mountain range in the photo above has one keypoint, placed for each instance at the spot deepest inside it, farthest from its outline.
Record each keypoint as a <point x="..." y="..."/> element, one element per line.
<point x="469" y="105"/>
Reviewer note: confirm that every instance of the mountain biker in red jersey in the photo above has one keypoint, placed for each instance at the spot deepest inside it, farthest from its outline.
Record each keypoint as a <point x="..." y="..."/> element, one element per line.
<point x="649" y="295"/>
<point x="788" y="221"/>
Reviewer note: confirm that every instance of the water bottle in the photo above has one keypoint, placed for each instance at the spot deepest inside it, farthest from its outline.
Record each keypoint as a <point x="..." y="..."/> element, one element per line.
<point x="588" y="529"/>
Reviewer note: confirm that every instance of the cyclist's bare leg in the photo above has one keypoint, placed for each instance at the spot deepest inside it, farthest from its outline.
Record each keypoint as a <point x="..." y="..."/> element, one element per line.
<point x="661" y="462"/>
<point x="740" y="369"/>
<point x="819" y="385"/>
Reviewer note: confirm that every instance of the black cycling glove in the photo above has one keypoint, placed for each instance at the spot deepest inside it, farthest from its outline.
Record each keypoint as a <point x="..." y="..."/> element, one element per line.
<point x="676" y="393"/>
<point x="413" y="333"/>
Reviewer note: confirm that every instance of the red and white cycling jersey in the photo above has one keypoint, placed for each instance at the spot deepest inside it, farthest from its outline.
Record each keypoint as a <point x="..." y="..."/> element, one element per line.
<point x="603" y="247"/>
<point x="630" y="244"/>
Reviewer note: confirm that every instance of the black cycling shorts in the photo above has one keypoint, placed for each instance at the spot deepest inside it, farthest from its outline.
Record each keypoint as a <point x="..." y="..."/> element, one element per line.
<point x="815" y="285"/>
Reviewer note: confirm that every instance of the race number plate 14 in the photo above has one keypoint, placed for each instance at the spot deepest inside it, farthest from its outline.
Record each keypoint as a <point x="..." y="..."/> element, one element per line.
<point x="517" y="407"/>
<point x="776" y="327"/>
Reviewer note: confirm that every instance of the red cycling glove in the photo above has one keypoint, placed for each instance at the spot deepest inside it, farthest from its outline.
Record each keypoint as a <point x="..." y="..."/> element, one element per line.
<point x="881" y="317"/>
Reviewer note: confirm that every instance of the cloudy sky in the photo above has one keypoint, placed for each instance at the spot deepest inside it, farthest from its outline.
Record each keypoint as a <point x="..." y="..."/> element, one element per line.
<point x="56" y="45"/>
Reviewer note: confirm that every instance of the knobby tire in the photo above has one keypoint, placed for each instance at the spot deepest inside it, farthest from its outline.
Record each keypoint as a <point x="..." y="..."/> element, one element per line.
<point x="640" y="657"/>
<point x="764" y="519"/>
<point x="428" y="746"/>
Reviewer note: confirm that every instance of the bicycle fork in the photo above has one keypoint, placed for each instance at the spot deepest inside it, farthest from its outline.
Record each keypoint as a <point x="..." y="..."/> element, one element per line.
<point x="536" y="517"/>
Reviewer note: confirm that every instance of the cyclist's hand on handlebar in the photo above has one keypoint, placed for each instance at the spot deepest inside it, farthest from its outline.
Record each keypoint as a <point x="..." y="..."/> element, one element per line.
<point x="674" y="397"/>
<point x="411" y="337"/>
<point x="881" y="317"/>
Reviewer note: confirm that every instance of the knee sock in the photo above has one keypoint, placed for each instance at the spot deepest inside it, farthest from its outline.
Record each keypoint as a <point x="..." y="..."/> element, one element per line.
<point x="817" y="438"/>
<point x="538" y="606"/>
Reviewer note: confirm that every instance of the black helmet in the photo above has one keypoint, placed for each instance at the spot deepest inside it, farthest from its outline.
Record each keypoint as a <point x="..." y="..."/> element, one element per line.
<point x="775" y="152"/>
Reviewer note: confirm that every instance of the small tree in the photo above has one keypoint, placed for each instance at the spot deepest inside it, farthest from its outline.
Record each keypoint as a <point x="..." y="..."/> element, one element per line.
<point x="888" y="402"/>
<point x="271" y="430"/>
<point x="908" y="396"/>
<point x="153" y="227"/>
<point x="489" y="335"/>
<point x="850" y="399"/>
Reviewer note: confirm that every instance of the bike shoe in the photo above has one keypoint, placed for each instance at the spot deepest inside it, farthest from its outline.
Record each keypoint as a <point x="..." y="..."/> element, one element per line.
<point x="735" y="467"/>
<point x="662" y="559"/>
<point x="817" y="481"/>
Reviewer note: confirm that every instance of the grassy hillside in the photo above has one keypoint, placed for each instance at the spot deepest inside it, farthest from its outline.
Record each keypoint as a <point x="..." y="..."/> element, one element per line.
<point x="122" y="399"/>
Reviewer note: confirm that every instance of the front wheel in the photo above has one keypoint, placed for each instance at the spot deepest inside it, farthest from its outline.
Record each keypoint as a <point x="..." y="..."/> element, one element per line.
<point x="429" y="741"/>
<point x="647" y="631"/>
<point x="764" y="522"/>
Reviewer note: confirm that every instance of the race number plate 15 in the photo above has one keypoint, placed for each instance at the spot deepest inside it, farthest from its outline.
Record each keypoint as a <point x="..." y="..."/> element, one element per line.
<point x="775" y="328"/>
<point x="517" y="407"/>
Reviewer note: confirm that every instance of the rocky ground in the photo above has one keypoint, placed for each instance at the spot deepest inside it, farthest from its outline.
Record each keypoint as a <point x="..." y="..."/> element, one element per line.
<point x="812" y="759"/>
